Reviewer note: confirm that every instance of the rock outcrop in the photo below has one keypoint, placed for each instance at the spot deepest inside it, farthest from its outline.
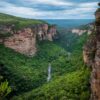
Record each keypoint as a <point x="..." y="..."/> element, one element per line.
<point x="24" y="40"/>
<point x="78" y="31"/>
<point x="87" y="29"/>
<point x="91" y="55"/>
<point x="45" y="32"/>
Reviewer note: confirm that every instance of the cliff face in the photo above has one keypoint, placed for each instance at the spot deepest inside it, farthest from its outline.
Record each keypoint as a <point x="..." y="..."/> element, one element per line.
<point x="82" y="31"/>
<point x="24" y="40"/>
<point x="91" y="54"/>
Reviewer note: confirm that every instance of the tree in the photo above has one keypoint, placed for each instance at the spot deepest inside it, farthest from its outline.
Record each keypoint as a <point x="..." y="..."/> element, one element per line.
<point x="99" y="4"/>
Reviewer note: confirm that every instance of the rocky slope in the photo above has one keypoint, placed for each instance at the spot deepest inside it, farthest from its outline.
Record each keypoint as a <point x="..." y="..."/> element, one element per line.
<point x="91" y="55"/>
<point x="24" y="39"/>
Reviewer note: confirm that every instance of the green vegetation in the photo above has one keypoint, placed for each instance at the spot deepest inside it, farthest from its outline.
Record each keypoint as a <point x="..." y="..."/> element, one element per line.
<point x="31" y="72"/>
<point x="17" y="21"/>
<point x="70" y="41"/>
<point x="28" y="76"/>
<point x="25" y="74"/>
<point x="72" y="86"/>
<point x="4" y="35"/>
<point x="4" y="88"/>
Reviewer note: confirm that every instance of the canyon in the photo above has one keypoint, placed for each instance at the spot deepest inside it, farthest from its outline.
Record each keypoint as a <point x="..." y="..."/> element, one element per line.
<point x="53" y="72"/>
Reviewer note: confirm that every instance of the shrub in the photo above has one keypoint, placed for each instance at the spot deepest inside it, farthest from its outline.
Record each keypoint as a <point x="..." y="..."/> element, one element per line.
<point x="5" y="89"/>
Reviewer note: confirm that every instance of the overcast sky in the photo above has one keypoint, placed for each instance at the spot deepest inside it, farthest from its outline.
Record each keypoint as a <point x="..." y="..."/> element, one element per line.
<point x="50" y="9"/>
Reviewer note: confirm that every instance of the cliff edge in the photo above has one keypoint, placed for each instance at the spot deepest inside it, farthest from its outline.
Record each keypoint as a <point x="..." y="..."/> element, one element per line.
<point x="91" y="55"/>
<point x="22" y="35"/>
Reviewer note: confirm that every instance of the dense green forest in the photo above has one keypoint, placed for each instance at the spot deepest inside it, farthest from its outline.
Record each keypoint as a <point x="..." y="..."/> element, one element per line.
<point x="27" y="77"/>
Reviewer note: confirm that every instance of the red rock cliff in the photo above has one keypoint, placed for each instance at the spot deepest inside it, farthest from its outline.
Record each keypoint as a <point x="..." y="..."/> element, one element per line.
<point x="91" y="54"/>
<point x="24" y="40"/>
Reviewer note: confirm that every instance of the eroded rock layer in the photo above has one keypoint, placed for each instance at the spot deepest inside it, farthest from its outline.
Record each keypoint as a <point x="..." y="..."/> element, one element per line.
<point x="24" y="40"/>
<point x="91" y="54"/>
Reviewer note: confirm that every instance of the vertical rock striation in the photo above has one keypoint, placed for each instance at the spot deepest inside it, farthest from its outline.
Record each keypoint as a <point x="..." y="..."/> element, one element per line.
<point x="91" y="54"/>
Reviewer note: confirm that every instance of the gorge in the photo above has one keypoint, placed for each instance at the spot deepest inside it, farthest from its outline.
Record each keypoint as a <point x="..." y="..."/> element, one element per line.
<point x="42" y="61"/>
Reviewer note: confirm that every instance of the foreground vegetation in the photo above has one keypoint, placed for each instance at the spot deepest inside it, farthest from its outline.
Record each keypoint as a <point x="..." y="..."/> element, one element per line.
<point x="5" y="89"/>
<point x="72" y="86"/>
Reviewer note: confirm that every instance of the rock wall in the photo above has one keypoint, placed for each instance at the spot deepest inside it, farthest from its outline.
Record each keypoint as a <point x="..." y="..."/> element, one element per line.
<point x="86" y="29"/>
<point x="78" y="31"/>
<point x="46" y="32"/>
<point x="91" y="54"/>
<point x="24" y="40"/>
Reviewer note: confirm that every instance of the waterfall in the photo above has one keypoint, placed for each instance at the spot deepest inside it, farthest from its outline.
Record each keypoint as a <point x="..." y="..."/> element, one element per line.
<point x="69" y="55"/>
<point x="49" y="73"/>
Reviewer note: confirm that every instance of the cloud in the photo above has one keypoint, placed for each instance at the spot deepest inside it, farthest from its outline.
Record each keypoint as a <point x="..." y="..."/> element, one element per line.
<point x="89" y="5"/>
<point x="49" y="2"/>
<point x="23" y="11"/>
<point x="45" y="9"/>
<point x="13" y="9"/>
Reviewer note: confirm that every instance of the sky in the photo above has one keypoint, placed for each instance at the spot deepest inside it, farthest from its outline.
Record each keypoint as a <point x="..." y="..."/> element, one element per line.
<point x="50" y="9"/>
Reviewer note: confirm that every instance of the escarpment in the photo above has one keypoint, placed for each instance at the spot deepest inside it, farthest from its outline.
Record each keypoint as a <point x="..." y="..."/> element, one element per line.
<point x="24" y="40"/>
<point x="91" y="55"/>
